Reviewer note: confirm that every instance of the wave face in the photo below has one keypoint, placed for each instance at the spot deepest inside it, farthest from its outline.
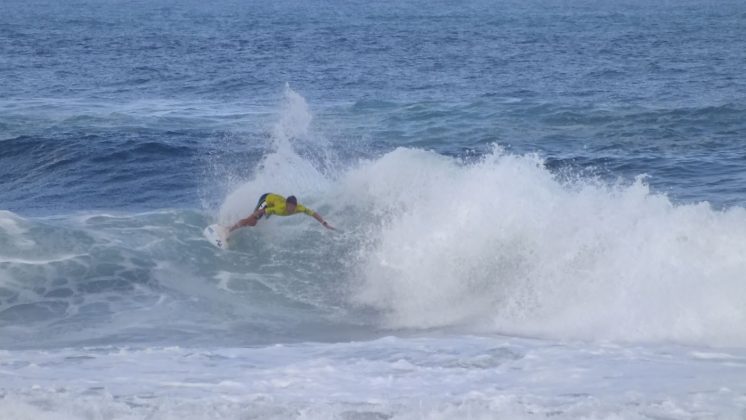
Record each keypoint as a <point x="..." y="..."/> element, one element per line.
<point x="489" y="243"/>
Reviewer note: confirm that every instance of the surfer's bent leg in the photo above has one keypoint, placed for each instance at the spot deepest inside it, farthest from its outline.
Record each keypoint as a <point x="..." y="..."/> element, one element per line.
<point x="258" y="213"/>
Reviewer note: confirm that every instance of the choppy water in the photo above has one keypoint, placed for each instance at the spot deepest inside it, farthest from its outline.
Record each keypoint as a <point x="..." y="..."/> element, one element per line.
<point x="541" y="210"/>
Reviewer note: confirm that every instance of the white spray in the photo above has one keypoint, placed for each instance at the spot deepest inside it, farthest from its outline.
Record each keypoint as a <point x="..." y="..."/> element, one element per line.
<point x="502" y="245"/>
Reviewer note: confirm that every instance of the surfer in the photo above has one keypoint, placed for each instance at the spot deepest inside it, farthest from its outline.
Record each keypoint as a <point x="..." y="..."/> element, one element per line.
<point x="270" y="204"/>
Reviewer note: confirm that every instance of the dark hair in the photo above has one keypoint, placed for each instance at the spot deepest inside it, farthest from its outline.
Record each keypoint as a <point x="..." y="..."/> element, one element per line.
<point x="292" y="200"/>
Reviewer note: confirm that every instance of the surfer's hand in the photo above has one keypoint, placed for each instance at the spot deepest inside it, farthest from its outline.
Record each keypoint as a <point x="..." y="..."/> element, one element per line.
<point x="327" y="225"/>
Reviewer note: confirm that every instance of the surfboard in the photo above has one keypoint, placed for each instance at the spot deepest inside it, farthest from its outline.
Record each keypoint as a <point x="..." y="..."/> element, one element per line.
<point x="217" y="235"/>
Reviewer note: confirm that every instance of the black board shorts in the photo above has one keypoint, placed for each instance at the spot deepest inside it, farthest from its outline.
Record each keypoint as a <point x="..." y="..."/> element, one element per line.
<point x="261" y="204"/>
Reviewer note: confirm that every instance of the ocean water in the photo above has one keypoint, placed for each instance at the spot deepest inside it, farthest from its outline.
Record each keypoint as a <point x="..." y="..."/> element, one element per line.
<point x="541" y="209"/>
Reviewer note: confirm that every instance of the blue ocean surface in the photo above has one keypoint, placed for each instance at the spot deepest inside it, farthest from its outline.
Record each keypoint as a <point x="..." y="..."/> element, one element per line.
<point x="541" y="209"/>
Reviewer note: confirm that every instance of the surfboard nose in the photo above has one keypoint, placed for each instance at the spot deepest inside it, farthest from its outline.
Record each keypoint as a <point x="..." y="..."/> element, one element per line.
<point x="217" y="235"/>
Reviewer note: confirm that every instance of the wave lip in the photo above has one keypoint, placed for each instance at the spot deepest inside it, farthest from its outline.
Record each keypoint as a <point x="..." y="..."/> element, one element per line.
<point x="502" y="245"/>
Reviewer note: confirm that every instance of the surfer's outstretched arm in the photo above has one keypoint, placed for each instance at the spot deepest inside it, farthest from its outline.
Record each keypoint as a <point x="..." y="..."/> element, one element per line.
<point x="322" y="221"/>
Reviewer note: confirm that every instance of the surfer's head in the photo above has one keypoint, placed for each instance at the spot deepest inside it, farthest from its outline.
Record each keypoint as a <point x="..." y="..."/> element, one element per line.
<point x="290" y="204"/>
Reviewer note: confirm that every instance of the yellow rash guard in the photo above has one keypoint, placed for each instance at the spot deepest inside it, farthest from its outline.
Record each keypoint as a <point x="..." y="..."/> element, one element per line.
<point x="275" y="204"/>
